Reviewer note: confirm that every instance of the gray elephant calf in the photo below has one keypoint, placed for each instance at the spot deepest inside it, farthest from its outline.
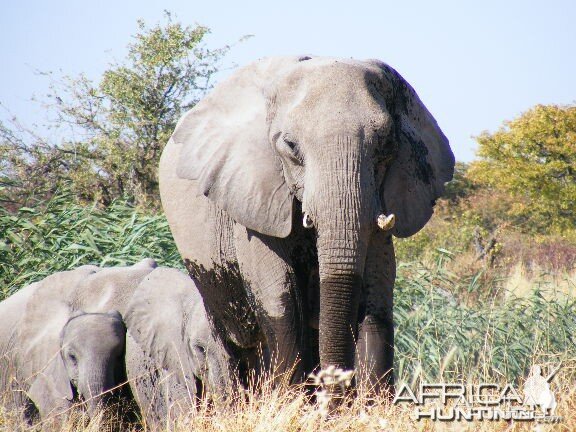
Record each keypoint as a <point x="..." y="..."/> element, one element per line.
<point x="54" y="356"/>
<point x="89" y="365"/>
<point x="169" y="329"/>
<point x="61" y="344"/>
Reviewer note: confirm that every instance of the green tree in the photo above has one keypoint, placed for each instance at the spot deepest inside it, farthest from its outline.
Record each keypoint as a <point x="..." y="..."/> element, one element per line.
<point x="116" y="128"/>
<point x="533" y="159"/>
<point x="461" y="186"/>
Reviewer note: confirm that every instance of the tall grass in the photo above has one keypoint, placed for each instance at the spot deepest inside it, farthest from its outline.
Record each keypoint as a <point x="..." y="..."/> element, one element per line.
<point x="440" y="332"/>
<point x="60" y="235"/>
<point x="438" y="335"/>
<point x="278" y="408"/>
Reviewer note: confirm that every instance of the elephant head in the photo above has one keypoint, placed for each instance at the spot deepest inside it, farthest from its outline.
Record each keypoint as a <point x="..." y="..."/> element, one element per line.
<point x="90" y="364"/>
<point x="167" y="319"/>
<point x="66" y="314"/>
<point x="350" y="140"/>
<point x="92" y="350"/>
<point x="212" y="365"/>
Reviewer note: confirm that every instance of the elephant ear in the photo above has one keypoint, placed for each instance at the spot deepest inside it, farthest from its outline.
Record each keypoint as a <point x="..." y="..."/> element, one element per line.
<point x="225" y="147"/>
<point x="51" y="390"/>
<point x="154" y="318"/>
<point x="423" y="163"/>
<point x="47" y="311"/>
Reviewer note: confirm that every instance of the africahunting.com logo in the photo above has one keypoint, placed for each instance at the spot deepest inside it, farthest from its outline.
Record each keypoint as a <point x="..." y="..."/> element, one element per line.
<point x="484" y="401"/>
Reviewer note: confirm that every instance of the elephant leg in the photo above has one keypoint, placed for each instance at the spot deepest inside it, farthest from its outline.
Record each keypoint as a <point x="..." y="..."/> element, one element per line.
<point x="270" y="279"/>
<point x="375" y="345"/>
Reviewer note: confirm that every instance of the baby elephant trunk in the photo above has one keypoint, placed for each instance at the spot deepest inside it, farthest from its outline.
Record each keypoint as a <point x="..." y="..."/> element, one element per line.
<point x="97" y="386"/>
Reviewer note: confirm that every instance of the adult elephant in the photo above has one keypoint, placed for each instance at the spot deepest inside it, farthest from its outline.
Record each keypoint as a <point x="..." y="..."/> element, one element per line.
<point x="340" y="144"/>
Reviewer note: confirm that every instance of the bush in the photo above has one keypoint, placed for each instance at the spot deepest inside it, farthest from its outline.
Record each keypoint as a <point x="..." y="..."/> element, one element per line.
<point x="113" y="129"/>
<point x="532" y="159"/>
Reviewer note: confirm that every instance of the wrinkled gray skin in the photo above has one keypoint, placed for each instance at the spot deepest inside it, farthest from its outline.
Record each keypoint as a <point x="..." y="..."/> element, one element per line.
<point x="167" y="320"/>
<point x="340" y="139"/>
<point x="71" y="347"/>
<point x="55" y="314"/>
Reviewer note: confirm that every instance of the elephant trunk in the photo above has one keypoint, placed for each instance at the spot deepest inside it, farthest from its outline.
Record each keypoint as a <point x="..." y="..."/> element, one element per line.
<point x="94" y="386"/>
<point x="343" y="222"/>
<point x="339" y="298"/>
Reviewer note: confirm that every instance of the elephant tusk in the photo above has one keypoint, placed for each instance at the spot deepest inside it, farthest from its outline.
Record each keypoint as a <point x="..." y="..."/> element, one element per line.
<point x="386" y="223"/>
<point x="307" y="221"/>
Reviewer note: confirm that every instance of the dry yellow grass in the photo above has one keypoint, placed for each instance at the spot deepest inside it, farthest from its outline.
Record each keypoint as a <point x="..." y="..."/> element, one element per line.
<point x="282" y="408"/>
<point x="521" y="282"/>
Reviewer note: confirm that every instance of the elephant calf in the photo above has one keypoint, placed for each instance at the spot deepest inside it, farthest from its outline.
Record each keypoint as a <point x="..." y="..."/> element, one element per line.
<point x="172" y="357"/>
<point x="49" y="365"/>
<point x="64" y="346"/>
<point x="63" y="341"/>
<point x="89" y="366"/>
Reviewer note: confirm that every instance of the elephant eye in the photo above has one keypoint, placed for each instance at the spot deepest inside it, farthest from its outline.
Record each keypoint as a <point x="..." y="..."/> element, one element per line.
<point x="291" y="145"/>
<point x="73" y="358"/>
<point x="290" y="148"/>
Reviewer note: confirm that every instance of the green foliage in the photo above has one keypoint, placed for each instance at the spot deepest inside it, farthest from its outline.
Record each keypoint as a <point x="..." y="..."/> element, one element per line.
<point x="437" y="336"/>
<point x="451" y="227"/>
<point x="461" y="185"/>
<point x="533" y="160"/>
<point x="523" y="186"/>
<point x="118" y="125"/>
<point x="61" y="235"/>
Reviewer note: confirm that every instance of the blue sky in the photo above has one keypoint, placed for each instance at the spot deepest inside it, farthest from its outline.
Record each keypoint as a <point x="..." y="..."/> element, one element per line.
<point x="474" y="64"/>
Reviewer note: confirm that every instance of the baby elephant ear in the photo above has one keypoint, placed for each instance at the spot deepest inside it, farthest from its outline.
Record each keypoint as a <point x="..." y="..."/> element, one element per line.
<point x="225" y="147"/>
<point x="51" y="390"/>
<point x="154" y="317"/>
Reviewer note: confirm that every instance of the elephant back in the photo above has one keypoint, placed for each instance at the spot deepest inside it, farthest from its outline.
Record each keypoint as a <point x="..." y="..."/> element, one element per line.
<point x="110" y="288"/>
